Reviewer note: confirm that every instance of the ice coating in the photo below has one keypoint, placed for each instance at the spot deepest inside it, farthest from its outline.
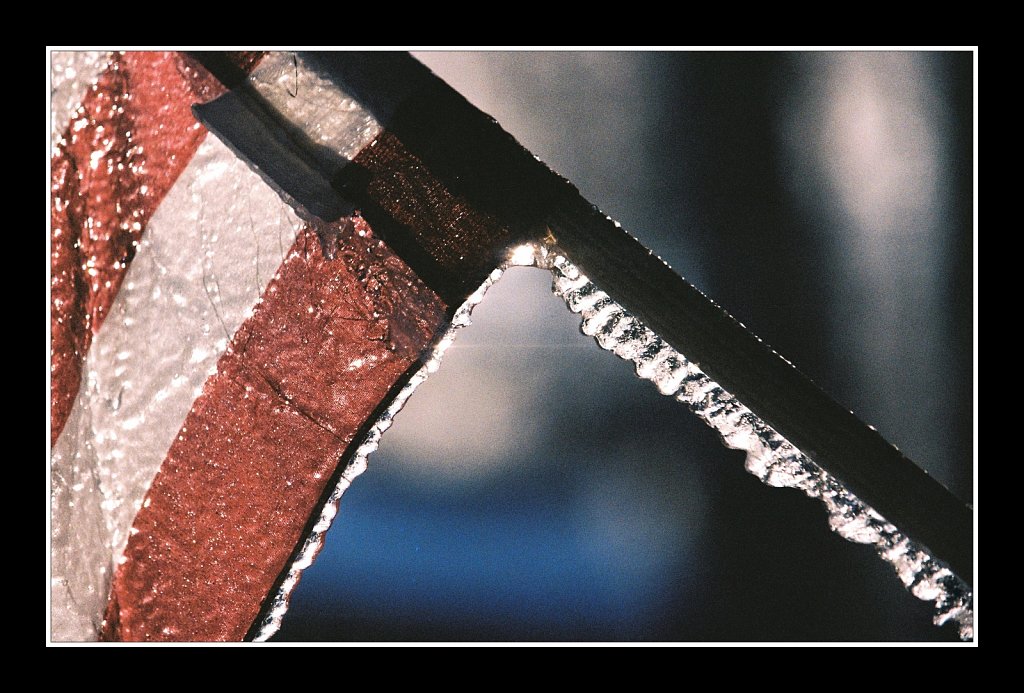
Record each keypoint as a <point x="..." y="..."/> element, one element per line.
<point x="71" y="72"/>
<point x="271" y="622"/>
<point x="770" y="457"/>
<point x="323" y="110"/>
<point x="203" y="263"/>
<point x="259" y="447"/>
<point x="202" y="266"/>
<point x="127" y="141"/>
<point x="80" y="564"/>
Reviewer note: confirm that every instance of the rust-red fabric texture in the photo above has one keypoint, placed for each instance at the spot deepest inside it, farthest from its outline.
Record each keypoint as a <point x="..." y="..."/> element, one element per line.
<point x="328" y="340"/>
<point x="122" y="151"/>
<point x="463" y="243"/>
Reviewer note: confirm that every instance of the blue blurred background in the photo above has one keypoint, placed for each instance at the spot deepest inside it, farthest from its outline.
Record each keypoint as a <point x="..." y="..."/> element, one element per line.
<point x="534" y="489"/>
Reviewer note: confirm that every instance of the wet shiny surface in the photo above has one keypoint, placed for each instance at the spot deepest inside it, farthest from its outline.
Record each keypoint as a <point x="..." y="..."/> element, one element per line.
<point x="71" y="74"/>
<point x="125" y="146"/>
<point x="252" y="460"/>
<point x="125" y="154"/>
<point x="202" y="264"/>
<point x="786" y="351"/>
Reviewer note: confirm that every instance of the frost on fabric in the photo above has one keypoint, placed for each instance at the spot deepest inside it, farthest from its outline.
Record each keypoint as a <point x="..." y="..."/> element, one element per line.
<point x="315" y="103"/>
<point x="770" y="457"/>
<point x="71" y="72"/>
<point x="202" y="265"/>
<point x="257" y="452"/>
<point x="271" y="622"/>
<point x="128" y="138"/>
<point x="79" y="559"/>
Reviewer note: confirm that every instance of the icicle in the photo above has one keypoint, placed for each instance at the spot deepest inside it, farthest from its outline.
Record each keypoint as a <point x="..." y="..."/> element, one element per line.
<point x="770" y="457"/>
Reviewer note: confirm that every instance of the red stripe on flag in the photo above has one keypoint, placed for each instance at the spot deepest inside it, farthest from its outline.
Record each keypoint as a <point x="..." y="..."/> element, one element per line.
<point x="124" y="148"/>
<point x="218" y="526"/>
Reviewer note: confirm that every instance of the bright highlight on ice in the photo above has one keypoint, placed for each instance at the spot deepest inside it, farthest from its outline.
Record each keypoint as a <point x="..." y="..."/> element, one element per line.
<point x="770" y="457"/>
<point x="523" y="256"/>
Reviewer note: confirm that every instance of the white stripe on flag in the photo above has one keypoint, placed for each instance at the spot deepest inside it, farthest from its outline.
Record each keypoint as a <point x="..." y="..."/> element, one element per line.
<point x="71" y="72"/>
<point x="319" y="106"/>
<point x="207" y="255"/>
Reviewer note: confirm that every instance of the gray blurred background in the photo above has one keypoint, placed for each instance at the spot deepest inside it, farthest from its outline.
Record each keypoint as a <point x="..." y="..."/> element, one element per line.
<point x="534" y="489"/>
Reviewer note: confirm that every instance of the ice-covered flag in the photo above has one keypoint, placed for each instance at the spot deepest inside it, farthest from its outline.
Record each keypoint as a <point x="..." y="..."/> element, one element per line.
<point x="255" y="258"/>
<point x="210" y="363"/>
